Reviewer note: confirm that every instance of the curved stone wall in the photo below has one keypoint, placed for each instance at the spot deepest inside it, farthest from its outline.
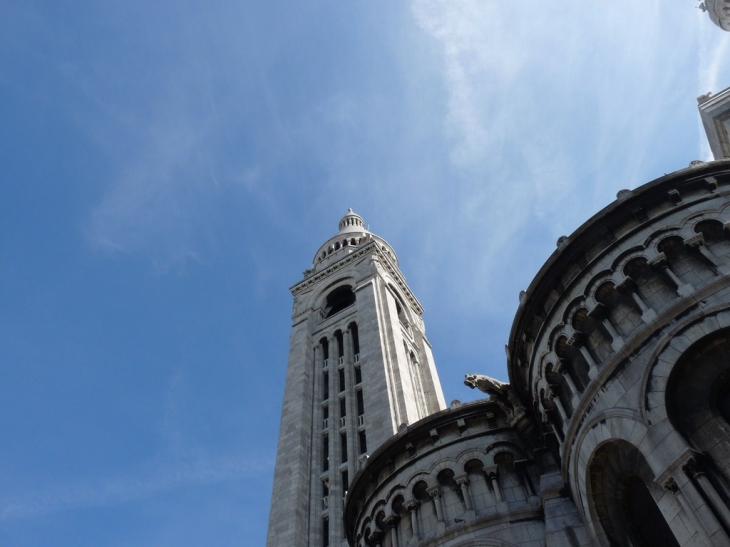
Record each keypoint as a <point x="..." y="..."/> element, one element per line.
<point x="463" y="476"/>
<point x="610" y="346"/>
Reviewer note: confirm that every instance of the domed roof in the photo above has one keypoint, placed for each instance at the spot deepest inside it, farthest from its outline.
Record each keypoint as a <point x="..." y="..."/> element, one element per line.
<point x="352" y="222"/>
<point x="352" y="234"/>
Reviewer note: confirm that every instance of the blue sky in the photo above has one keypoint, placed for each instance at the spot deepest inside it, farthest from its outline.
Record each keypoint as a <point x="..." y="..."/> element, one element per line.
<point x="170" y="168"/>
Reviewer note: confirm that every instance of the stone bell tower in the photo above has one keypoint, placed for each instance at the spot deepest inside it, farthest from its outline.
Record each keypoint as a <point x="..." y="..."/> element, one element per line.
<point x="359" y="366"/>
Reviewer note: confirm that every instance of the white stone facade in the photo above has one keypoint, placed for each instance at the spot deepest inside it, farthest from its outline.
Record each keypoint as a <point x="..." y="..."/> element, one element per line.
<point x="615" y="427"/>
<point x="464" y="476"/>
<point x="359" y="367"/>
<point x="609" y="347"/>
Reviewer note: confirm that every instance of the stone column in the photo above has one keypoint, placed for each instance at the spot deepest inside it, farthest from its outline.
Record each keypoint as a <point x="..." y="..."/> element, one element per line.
<point x="682" y="494"/>
<point x="577" y="342"/>
<point x="628" y="285"/>
<point x="602" y="313"/>
<point x="661" y="262"/>
<point x="412" y="507"/>
<point x="317" y="504"/>
<point x="376" y="538"/>
<point x="392" y="522"/>
<point x="670" y="485"/>
<point x="697" y="243"/>
<point x="524" y="475"/>
<point x="463" y="482"/>
<point x="435" y="494"/>
<point x="492" y="474"/>
<point x="547" y="421"/>
<point x="575" y="393"/>
<point x="695" y="472"/>
<point x="336" y="488"/>
<point x="558" y="405"/>
<point x="350" y="401"/>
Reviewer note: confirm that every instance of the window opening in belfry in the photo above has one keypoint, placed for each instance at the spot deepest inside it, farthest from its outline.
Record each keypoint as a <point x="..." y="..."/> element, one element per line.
<point x="339" y="299"/>
<point x="325" y="348"/>
<point x="399" y="306"/>
<point x="360" y="403"/>
<point x="355" y="338"/>
<point x="340" y="344"/>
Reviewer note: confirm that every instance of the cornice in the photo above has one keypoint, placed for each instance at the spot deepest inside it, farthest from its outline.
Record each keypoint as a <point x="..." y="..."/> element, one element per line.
<point x="371" y="248"/>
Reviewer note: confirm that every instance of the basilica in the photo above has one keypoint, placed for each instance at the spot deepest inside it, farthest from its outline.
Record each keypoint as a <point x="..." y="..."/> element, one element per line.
<point x="614" y="428"/>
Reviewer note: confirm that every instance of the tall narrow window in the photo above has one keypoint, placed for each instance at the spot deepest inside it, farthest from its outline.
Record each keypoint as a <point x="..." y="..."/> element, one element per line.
<point x="355" y="338"/>
<point x="345" y="481"/>
<point x="325" y="453"/>
<point x="325" y="533"/>
<point x="326" y="386"/>
<point x="325" y="416"/>
<point x="340" y="343"/>
<point x="342" y="379"/>
<point x="343" y="447"/>
<point x="360" y="403"/>
<point x="343" y="408"/>
<point x="363" y="443"/>
<point x="358" y="375"/>
<point x="325" y="348"/>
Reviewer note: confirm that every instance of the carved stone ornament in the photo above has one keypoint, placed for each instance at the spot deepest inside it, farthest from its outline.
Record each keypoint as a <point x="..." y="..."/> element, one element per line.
<point x="670" y="485"/>
<point x="499" y="392"/>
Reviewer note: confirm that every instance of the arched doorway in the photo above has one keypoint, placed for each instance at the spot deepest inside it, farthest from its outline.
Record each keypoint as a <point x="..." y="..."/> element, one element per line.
<point x="623" y="497"/>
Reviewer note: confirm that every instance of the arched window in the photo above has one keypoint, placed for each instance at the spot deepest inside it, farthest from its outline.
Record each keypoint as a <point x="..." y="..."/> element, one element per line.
<point x="452" y="498"/>
<point x="339" y="299"/>
<point x="428" y="522"/>
<point x="686" y="264"/>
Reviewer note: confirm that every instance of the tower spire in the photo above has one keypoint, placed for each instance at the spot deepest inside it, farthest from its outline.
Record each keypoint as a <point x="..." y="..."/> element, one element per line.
<point x="359" y="366"/>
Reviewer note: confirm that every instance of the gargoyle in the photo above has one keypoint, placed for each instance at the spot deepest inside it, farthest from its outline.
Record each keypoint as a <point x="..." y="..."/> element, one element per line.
<point x="499" y="392"/>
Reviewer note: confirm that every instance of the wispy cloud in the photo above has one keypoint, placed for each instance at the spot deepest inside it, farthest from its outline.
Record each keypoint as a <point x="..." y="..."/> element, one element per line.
<point x="156" y="199"/>
<point x="551" y="110"/>
<point x="112" y="491"/>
